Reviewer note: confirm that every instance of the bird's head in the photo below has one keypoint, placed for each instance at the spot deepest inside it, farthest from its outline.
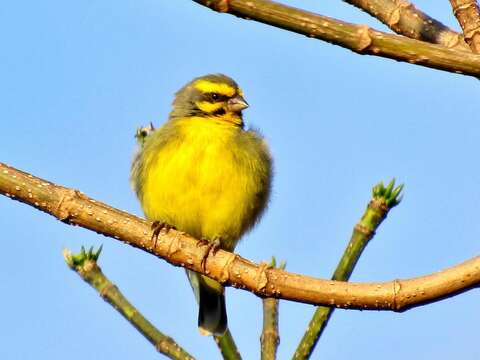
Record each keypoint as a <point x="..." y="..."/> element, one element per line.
<point x="214" y="97"/>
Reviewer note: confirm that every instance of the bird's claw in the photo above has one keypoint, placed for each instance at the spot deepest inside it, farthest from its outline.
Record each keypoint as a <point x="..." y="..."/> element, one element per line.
<point x="157" y="227"/>
<point x="212" y="247"/>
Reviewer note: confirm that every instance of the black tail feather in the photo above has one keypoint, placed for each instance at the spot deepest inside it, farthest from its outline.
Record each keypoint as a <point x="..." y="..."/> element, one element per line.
<point x="212" y="315"/>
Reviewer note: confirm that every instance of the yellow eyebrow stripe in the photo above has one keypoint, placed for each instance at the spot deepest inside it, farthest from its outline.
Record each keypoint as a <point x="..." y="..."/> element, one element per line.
<point x="212" y="87"/>
<point x="208" y="107"/>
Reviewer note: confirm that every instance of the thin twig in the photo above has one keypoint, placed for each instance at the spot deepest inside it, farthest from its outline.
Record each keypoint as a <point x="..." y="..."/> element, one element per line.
<point x="404" y="18"/>
<point x="468" y="16"/>
<point x="270" y="338"/>
<point x="85" y="265"/>
<point x="227" y="346"/>
<point x="383" y="200"/>
<point x="180" y="249"/>
<point x="358" y="38"/>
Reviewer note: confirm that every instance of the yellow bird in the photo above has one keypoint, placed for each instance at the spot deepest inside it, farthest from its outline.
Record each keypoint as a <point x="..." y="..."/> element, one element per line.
<point x="204" y="174"/>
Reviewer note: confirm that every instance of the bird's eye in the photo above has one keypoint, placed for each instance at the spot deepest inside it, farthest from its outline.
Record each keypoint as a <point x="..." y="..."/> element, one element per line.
<point x="214" y="96"/>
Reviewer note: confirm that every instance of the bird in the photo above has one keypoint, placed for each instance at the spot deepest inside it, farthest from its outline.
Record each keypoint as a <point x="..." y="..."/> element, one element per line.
<point x="202" y="172"/>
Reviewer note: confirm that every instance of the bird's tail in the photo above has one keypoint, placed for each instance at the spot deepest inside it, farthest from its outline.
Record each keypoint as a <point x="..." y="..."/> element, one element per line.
<point x="212" y="315"/>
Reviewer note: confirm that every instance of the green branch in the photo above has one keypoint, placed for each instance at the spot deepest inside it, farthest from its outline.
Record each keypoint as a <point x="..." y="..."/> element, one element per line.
<point x="85" y="265"/>
<point x="383" y="200"/>
<point x="227" y="346"/>
<point x="270" y="338"/>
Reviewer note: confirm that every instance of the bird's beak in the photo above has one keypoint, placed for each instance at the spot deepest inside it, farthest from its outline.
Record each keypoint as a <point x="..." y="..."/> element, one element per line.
<point x="237" y="104"/>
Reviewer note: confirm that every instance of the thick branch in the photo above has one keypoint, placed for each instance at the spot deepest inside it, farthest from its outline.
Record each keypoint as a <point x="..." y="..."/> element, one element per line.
<point x="404" y="18"/>
<point x="358" y="38"/>
<point x="180" y="249"/>
<point x="468" y="16"/>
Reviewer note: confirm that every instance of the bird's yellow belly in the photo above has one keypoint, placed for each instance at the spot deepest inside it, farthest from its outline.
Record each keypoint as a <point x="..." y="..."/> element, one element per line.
<point x="205" y="189"/>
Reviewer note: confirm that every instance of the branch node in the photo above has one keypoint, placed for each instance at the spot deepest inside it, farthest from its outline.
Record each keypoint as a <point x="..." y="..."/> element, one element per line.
<point x="365" y="40"/>
<point x="364" y="230"/>
<point x="225" y="272"/>
<point x="379" y="204"/>
<point x="62" y="210"/>
<point x="459" y="7"/>
<point x="174" y="245"/>
<point x="397" y="287"/>
<point x="394" y="17"/>
<point x="261" y="278"/>
<point x="471" y="32"/>
<point x="218" y="5"/>
<point x="104" y="292"/>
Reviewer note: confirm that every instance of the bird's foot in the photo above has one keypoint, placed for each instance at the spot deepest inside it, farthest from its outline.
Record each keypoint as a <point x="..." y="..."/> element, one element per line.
<point x="157" y="227"/>
<point x="212" y="247"/>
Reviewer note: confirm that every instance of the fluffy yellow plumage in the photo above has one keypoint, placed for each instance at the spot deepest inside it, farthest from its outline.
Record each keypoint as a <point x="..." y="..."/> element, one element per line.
<point x="202" y="173"/>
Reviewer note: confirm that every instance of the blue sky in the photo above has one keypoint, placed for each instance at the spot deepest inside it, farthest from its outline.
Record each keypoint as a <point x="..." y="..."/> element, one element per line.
<point x="79" y="77"/>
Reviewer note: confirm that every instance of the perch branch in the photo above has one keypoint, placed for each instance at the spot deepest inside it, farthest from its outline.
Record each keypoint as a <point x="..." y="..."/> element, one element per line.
<point x="179" y="249"/>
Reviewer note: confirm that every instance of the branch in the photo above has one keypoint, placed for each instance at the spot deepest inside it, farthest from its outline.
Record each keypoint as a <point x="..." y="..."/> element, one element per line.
<point x="404" y="18"/>
<point x="179" y="249"/>
<point x="270" y="338"/>
<point x="85" y="265"/>
<point x="383" y="200"/>
<point x="468" y="16"/>
<point x="227" y="346"/>
<point x="358" y="38"/>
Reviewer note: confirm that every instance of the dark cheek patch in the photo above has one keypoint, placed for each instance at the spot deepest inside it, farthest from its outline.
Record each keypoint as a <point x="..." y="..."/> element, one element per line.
<point x="219" y="112"/>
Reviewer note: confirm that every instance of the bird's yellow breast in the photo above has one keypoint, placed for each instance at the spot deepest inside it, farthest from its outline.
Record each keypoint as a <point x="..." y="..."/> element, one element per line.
<point x="205" y="177"/>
